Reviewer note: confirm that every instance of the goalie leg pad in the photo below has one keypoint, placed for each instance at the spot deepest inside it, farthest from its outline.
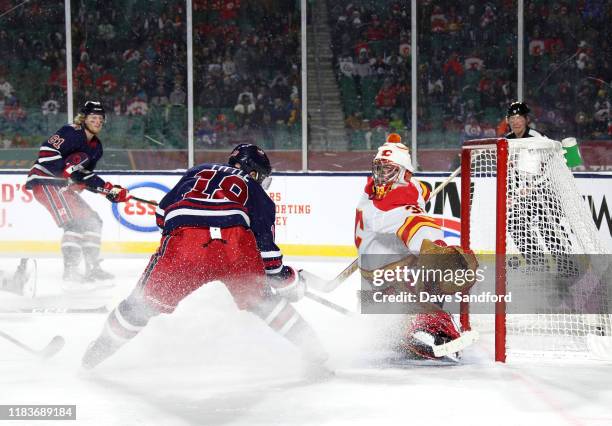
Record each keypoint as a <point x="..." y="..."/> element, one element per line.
<point x="435" y="336"/>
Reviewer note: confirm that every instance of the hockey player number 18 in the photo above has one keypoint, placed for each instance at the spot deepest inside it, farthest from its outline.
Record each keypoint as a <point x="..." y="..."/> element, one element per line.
<point x="231" y="187"/>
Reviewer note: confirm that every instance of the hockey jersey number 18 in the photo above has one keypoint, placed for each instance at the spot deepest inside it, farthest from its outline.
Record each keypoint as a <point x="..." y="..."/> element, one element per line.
<point x="215" y="195"/>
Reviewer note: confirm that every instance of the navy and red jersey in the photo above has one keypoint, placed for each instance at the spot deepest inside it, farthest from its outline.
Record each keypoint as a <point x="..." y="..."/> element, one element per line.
<point x="53" y="153"/>
<point x="217" y="195"/>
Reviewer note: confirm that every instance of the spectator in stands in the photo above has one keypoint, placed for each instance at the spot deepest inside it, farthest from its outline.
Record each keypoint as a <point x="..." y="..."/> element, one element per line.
<point x="245" y="107"/>
<point x="205" y="133"/>
<point x="472" y="129"/>
<point x="6" y="88"/>
<point x="19" y="141"/>
<point x="279" y="113"/>
<point x="13" y="113"/>
<point x="178" y="97"/>
<point x="386" y="97"/>
<point x="396" y="123"/>
<point x="375" y="31"/>
<point x="50" y="107"/>
<point x="5" y="142"/>
<point x="229" y="67"/>
<point x="160" y="99"/>
<point x="294" y="110"/>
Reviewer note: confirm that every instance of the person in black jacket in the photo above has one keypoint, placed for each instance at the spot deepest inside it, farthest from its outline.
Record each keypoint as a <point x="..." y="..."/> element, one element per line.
<point x="535" y="211"/>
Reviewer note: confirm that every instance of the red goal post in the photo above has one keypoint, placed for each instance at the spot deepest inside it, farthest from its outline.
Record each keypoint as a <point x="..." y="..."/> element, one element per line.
<point x="538" y="213"/>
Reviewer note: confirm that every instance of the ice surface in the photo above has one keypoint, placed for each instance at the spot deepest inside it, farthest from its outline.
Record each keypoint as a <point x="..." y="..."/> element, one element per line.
<point x="209" y="364"/>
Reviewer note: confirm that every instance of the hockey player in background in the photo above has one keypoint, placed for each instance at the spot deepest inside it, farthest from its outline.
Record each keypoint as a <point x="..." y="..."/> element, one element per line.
<point x="392" y="229"/>
<point x="65" y="166"/>
<point x="217" y="224"/>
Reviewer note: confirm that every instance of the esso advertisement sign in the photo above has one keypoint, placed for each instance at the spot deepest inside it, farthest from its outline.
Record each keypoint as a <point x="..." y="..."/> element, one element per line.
<point x="138" y="215"/>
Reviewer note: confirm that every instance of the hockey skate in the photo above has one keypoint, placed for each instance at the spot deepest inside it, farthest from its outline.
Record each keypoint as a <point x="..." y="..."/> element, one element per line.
<point x="99" y="350"/>
<point x="436" y="336"/>
<point x="96" y="273"/>
<point x="23" y="282"/>
<point x="75" y="282"/>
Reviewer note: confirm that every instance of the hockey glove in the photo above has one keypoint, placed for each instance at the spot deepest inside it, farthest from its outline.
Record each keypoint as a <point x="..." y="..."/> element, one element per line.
<point x="116" y="193"/>
<point x="288" y="284"/>
<point x="74" y="163"/>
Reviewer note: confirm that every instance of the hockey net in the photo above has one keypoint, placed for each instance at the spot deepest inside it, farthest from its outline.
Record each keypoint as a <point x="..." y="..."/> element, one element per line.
<point x="524" y="207"/>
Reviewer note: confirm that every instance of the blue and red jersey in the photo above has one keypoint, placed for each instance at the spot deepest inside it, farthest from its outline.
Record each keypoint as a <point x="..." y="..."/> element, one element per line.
<point x="53" y="153"/>
<point x="217" y="195"/>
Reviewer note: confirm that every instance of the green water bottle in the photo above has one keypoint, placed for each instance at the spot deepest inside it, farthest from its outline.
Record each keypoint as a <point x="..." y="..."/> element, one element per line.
<point x="571" y="152"/>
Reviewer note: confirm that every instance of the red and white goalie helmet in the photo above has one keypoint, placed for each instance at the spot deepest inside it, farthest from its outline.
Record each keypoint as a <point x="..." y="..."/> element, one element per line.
<point x="390" y="165"/>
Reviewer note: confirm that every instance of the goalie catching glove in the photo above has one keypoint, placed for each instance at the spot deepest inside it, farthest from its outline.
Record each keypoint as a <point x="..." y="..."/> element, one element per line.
<point x="115" y="193"/>
<point x="288" y="284"/>
<point x="445" y="269"/>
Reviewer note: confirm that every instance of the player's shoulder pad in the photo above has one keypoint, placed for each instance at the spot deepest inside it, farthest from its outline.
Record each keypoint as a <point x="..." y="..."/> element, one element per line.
<point x="69" y="131"/>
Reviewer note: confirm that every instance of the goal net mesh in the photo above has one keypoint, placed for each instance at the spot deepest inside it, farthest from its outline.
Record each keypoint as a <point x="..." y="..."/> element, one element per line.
<point x="548" y="226"/>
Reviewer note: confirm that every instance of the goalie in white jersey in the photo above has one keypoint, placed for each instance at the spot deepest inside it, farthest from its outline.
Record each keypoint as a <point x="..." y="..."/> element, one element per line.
<point x="392" y="229"/>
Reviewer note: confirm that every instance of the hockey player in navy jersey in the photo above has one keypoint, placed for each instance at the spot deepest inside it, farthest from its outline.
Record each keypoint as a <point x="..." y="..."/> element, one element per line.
<point x="217" y="224"/>
<point x="65" y="165"/>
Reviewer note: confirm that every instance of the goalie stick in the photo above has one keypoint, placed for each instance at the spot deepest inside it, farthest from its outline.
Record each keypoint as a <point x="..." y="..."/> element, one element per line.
<point x="319" y="284"/>
<point x="53" y="347"/>
<point x="331" y="305"/>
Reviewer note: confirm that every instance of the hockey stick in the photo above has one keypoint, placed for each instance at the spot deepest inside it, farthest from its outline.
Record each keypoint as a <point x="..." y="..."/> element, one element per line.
<point x="99" y="190"/>
<point x="56" y="310"/>
<point x="320" y="284"/>
<point x="325" y="286"/>
<point x="53" y="347"/>
<point x="329" y="304"/>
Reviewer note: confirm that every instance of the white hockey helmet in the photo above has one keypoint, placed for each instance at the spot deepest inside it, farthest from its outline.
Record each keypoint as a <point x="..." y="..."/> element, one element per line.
<point x="390" y="164"/>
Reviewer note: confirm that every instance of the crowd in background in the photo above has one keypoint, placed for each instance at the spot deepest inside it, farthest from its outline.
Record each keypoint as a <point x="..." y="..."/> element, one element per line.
<point x="467" y="61"/>
<point x="131" y="54"/>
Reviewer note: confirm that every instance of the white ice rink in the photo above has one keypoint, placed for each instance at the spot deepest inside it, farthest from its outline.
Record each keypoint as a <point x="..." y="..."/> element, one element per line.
<point x="209" y="364"/>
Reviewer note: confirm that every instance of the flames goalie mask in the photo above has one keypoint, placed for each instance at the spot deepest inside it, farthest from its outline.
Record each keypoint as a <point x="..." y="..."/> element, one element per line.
<point x="391" y="167"/>
<point x="393" y="229"/>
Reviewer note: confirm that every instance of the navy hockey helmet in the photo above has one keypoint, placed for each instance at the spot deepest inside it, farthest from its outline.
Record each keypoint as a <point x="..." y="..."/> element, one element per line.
<point x="93" y="107"/>
<point x="517" y="108"/>
<point x="251" y="159"/>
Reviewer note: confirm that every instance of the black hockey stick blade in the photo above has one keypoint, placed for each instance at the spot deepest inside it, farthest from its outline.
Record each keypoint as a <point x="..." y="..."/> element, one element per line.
<point x="53" y="347"/>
